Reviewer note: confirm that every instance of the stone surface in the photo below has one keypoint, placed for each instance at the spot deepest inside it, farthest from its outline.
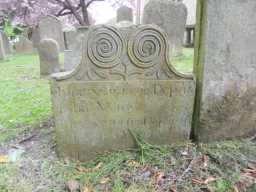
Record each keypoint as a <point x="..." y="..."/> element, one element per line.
<point x="35" y="37"/>
<point x="170" y="16"/>
<point x="24" y="46"/>
<point x="73" y="56"/>
<point x="50" y="27"/>
<point x="226" y="68"/>
<point x="2" y="50"/>
<point x="49" y="57"/>
<point x="124" y="82"/>
<point x="191" y="7"/>
<point x="70" y="37"/>
<point x="6" y="44"/>
<point x="124" y="13"/>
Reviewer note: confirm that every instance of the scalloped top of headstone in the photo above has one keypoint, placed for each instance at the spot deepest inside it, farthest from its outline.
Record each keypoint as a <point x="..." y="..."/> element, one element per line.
<point x="138" y="52"/>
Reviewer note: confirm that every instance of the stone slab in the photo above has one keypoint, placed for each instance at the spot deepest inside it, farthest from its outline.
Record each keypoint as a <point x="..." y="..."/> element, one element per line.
<point x="93" y="117"/>
<point x="226" y="67"/>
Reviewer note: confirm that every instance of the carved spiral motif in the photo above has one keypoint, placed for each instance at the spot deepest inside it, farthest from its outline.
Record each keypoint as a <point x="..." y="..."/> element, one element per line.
<point x="146" y="47"/>
<point x="105" y="46"/>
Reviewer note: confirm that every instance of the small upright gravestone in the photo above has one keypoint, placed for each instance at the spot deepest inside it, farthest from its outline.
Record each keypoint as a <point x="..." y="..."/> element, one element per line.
<point x="170" y="16"/>
<point x="2" y="50"/>
<point x="123" y="83"/>
<point x="124" y="13"/>
<point x="24" y="46"/>
<point x="6" y="43"/>
<point x="49" y="57"/>
<point x="50" y="27"/>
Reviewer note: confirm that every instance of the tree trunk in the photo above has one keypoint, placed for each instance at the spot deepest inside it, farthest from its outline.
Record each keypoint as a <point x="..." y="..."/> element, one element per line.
<point x="85" y="12"/>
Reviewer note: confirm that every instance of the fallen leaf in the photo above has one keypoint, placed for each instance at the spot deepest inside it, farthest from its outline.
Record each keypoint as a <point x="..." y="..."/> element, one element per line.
<point x="105" y="180"/>
<point x="133" y="163"/>
<point x="72" y="186"/>
<point x="87" y="189"/>
<point x="87" y="170"/>
<point x="159" y="177"/>
<point x="4" y="159"/>
<point x="203" y="182"/>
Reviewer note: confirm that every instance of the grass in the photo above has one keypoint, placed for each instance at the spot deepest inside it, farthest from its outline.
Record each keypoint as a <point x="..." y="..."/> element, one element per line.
<point x="24" y="98"/>
<point x="184" y="62"/>
<point x="218" y="167"/>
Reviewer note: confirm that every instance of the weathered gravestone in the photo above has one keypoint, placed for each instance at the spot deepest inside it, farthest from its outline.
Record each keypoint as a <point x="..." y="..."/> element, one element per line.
<point x="2" y="50"/>
<point x="70" y="37"/>
<point x="226" y="69"/>
<point x="170" y="16"/>
<point x="49" y="57"/>
<point x="124" y="13"/>
<point x="35" y="37"/>
<point x="6" y="43"/>
<point x="24" y="46"/>
<point x="124" y="82"/>
<point x="73" y="56"/>
<point x="50" y="27"/>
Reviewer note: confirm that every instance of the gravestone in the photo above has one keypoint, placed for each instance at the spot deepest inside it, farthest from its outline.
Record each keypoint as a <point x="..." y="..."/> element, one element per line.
<point x="124" y="13"/>
<point x="69" y="37"/>
<point x="226" y="67"/>
<point x="124" y="82"/>
<point x="24" y="46"/>
<point x="6" y="44"/>
<point x="35" y="37"/>
<point x="2" y="50"/>
<point x="170" y="16"/>
<point x="50" y="27"/>
<point x="73" y="56"/>
<point x="49" y="57"/>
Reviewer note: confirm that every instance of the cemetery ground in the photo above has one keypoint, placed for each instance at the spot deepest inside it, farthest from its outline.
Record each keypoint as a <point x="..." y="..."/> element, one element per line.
<point x="28" y="161"/>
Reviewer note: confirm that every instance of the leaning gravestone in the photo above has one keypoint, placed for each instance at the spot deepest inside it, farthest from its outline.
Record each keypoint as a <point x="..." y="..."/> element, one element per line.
<point x="124" y="13"/>
<point x="124" y="82"/>
<point x="226" y="69"/>
<point x="50" y="27"/>
<point x="24" y="46"/>
<point x="49" y="57"/>
<point x="170" y="16"/>
<point x="2" y="50"/>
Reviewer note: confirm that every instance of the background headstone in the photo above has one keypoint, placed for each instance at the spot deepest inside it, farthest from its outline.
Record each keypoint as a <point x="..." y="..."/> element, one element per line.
<point x="35" y="37"/>
<point x="69" y="37"/>
<point x="73" y="56"/>
<point x="123" y="83"/>
<point x="50" y="27"/>
<point x="2" y="50"/>
<point x="171" y="16"/>
<point x="226" y="69"/>
<point x="24" y="46"/>
<point x="49" y="57"/>
<point x="6" y="43"/>
<point x="124" y="13"/>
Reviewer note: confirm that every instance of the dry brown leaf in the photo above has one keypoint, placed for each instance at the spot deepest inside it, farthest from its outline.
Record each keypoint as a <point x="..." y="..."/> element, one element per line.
<point x="133" y="163"/>
<point x="203" y="182"/>
<point x="87" y="170"/>
<point x="72" y="186"/>
<point x="159" y="177"/>
<point x="4" y="159"/>
<point x="87" y="189"/>
<point x="105" y="180"/>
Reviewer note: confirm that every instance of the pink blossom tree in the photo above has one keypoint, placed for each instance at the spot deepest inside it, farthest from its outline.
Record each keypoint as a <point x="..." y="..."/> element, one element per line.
<point x="28" y="12"/>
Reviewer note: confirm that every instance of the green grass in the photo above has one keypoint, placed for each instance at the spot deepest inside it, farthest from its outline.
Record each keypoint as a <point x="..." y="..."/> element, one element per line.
<point x="24" y="98"/>
<point x="184" y="62"/>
